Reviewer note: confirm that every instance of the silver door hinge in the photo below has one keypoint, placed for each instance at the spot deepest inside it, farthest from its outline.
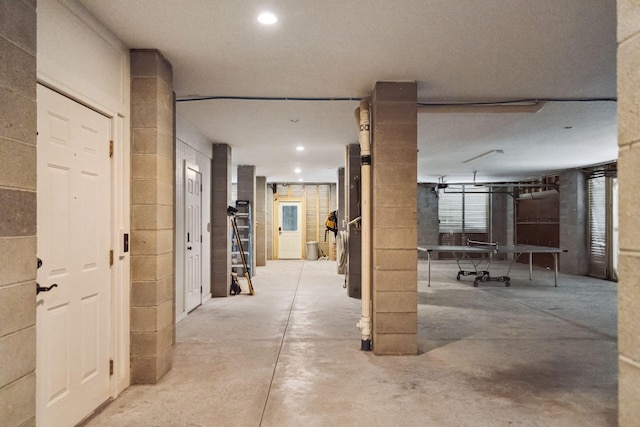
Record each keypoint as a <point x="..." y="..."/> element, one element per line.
<point x="110" y="367"/>
<point x="110" y="148"/>
<point x="110" y="258"/>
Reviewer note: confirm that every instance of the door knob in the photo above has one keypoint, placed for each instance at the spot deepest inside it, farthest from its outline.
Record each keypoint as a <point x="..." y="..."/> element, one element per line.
<point x="44" y="288"/>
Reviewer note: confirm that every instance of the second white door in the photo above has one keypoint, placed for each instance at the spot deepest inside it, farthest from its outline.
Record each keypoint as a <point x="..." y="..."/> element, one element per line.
<point x="289" y="230"/>
<point x="193" y="252"/>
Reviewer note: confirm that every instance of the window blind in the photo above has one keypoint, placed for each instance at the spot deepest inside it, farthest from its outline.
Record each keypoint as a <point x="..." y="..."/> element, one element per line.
<point x="463" y="210"/>
<point x="597" y="227"/>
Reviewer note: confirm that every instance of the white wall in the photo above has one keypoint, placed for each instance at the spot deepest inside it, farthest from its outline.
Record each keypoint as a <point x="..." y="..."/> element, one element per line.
<point x="192" y="148"/>
<point x="78" y="57"/>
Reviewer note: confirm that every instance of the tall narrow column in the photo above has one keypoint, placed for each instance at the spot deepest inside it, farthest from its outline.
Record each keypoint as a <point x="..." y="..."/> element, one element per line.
<point x="220" y="221"/>
<point x="247" y="191"/>
<point x="428" y="226"/>
<point x="502" y="220"/>
<point x="341" y="216"/>
<point x="629" y="208"/>
<point x="18" y="219"/>
<point x="352" y="176"/>
<point x="261" y="221"/>
<point x="152" y="246"/>
<point x="574" y="205"/>
<point x="394" y="206"/>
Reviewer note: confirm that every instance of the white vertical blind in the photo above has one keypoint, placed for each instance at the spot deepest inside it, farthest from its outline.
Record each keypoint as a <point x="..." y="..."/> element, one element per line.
<point x="597" y="227"/>
<point x="475" y="210"/>
<point x="450" y="212"/>
<point x="615" y="244"/>
<point x="460" y="212"/>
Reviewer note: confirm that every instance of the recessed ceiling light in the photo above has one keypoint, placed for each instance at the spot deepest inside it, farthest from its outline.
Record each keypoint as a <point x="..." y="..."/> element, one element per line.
<point x="300" y="148"/>
<point x="300" y="180"/>
<point x="267" y="18"/>
<point x="297" y="170"/>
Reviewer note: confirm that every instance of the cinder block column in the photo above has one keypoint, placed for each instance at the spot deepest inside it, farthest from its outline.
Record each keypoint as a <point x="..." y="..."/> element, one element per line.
<point x="394" y="206"/>
<point x="502" y="220"/>
<point x="247" y="191"/>
<point x="18" y="218"/>
<point x="341" y="211"/>
<point x="428" y="226"/>
<point x="220" y="221"/>
<point x="261" y="221"/>
<point x="152" y="246"/>
<point x="270" y="221"/>
<point x="629" y="179"/>
<point x="574" y="210"/>
<point x="341" y="199"/>
<point x="352" y="178"/>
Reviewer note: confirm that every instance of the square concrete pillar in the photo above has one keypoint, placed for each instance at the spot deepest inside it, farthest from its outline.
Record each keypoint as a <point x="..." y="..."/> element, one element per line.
<point x="341" y="212"/>
<point x="18" y="220"/>
<point x="261" y="221"/>
<point x="354" y="264"/>
<point x="428" y="225"/>
<point x="502" y="224"/>
<point x="629" y="208"/>
<point x="574" y="223"/>
<point x="270" y="221"/>
<point x="247" y="191"/>
<point x="220" y="221"/>
<point x="152" y="246"/>
<point x="394" y="220"/>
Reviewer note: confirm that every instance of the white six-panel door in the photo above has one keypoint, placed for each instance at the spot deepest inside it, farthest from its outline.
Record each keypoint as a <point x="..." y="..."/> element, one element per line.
<point x="289" y="230"/>
<point x="193" y="258"/>
<point x="73" y="319"/>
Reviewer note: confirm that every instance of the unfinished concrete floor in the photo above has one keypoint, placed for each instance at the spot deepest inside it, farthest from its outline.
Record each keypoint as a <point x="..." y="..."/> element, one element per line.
<point x="528" y="355"/>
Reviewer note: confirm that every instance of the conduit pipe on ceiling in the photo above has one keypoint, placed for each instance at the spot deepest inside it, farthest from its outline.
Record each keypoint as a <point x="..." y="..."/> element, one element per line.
<point x="364" y="123"/>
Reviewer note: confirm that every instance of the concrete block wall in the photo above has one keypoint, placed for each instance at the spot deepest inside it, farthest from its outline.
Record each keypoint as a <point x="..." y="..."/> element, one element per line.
<point x="341" y="213"/>
<point x="352" y="177"/>
<point x="220" y="222"/>
<point x="428" y="225"/>
<point x="502" y="223"/>
<point x="629" y="208"/>
<point x="152" y="188"/>
<point x="574" y="217"/>
<point x="247" y="191"/>
<point x="261" y="221"/>
<point x="394" y="219"/>
<point x="269" y="230"/>
<point x="18" y="218"/>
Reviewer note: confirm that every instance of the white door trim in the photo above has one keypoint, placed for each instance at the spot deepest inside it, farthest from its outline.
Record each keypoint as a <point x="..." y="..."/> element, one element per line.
<point x="120" y="226"/>
<point x="74" y="142"/>
<point x="300" y="225"/>
<point x="195" y="240"/>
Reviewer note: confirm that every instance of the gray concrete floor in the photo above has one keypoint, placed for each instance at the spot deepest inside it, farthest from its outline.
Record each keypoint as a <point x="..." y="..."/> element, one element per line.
<point x="528" y="355"/>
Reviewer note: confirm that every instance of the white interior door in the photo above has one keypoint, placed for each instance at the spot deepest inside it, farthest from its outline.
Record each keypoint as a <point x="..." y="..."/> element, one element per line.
<point x="289" y="230"/>
<point x="193" y="234"/>
<point x="73" y="319"/>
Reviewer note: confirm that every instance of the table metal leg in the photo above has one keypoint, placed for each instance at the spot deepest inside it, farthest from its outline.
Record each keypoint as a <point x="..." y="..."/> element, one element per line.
<point x="429" y="264"/>
<point x="555" y="262"/>
<point x="530" y="265"/>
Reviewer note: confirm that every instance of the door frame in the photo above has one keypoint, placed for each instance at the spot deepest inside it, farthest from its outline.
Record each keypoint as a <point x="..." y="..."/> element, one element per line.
<point x="276" y="221"/>
<point x="120" y="189"/>
<point x="195" y="168"/>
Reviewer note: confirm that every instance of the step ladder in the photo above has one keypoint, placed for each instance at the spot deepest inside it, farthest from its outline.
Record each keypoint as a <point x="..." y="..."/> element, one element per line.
<point x="238" y="244"/>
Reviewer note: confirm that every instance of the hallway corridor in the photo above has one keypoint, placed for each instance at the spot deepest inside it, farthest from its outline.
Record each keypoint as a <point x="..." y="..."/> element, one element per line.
<point x="529" y="355"/>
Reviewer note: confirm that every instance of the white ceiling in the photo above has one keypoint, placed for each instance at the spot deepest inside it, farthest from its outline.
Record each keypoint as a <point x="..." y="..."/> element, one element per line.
<point x="456" y="50"/>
